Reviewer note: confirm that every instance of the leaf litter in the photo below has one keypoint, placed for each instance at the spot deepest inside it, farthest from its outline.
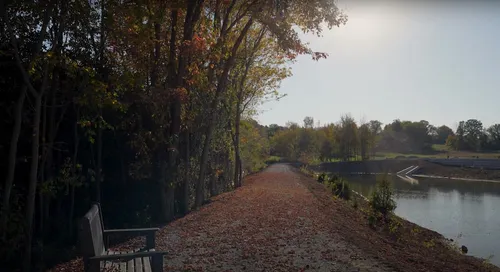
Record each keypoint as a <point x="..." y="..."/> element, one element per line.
<point x="280" y="220"/>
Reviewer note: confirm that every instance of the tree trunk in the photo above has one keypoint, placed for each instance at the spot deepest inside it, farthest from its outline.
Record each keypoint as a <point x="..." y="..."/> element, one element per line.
<point x="170" y="194"/>
<point x="163" y="201"/>
<point x="162" y="167"/>
<point x="227" y="170"/>
<point x="167" y="188"/>
<point x="46" y="216"/>
<point x="16" y="131"/>
<point x="221" y="87"/>
<point x="123" y="170"/>
<point x="104" y="72"/>
<point x="41" y="199"/>
<point x="237" y="165"/>
<point x="200" y="185"/>
<point x="240" y="168"/>
<point x="156" y="54"/>
<point x="30" y="206"/>
<point x="213" y="179"/>
<point x="99" y="163"/>
<point x="162" y="184"/>
<point x="74" y="173"/>
<point x="184" y="197"/>
<point x="192" y="16"/>
<point x="18" y="114"/>
<point x="48" y="138"/>
<point x="71" y="231"/>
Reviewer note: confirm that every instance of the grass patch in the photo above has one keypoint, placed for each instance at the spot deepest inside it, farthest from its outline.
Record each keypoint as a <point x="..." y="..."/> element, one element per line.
<point x="306" y="171"/>
<point x="340" y="188"/>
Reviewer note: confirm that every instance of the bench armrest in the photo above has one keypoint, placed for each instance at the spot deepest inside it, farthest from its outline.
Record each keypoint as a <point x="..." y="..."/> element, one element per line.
<point x="127" y="256"/>
<point x="150" y="234"/>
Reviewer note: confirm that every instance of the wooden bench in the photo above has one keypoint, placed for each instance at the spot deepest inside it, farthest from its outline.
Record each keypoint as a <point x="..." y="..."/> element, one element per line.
<point x="97" y="257"/>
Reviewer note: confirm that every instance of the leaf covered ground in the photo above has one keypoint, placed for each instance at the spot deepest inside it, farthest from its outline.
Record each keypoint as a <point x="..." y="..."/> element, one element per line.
<point x="281" y="220"/>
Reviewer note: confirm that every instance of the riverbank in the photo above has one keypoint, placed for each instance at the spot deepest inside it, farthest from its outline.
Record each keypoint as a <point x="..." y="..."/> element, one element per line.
<point x="407" y="246"/>
<point x="434" y="169"/>
<point x="395" y="165"/>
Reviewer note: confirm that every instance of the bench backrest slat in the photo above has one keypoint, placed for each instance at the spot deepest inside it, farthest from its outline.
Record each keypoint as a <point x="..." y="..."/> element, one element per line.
<point x="91" y="233"/>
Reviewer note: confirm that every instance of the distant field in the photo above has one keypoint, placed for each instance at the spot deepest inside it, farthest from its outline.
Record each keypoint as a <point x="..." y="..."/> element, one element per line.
<point x="441" y="151"/>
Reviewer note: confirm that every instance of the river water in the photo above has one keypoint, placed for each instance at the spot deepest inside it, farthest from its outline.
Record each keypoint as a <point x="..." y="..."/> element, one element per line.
<point x="465" y="211"/>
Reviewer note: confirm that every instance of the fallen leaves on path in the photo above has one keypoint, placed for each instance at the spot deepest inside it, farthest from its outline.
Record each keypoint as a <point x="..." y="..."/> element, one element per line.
<point x="272" y="223"/>
<point x="283" y="221"/>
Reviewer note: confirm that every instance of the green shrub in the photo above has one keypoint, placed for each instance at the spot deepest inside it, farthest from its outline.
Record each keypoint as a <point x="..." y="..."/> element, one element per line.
<point x="355" y="203"/>
<point x="333" y="177"/>
<point x="306" y="170"/>
<point x="322" y="177"/>
<point x="339" y="187"/>
<point x="395" y="225"/>
<point x="373" y="218"/>
<point x="381" y="200"/>
<point x="430" y="243"/>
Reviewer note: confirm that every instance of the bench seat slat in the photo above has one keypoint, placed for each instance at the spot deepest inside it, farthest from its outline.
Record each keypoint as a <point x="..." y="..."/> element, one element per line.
<point x="123" y="266"/>
<point x="107" y="264"/>
<point x="130" y="266"/>
<point x="147" y="264"/>
<point x="138" y="264"/>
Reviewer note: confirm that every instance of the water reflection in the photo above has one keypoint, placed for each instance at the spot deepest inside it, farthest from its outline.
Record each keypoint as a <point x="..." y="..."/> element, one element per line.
<point x="461" y="210"/>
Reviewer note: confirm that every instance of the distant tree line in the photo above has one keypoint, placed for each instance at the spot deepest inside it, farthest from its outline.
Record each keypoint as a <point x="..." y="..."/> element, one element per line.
<point x="345" y="140"/>
<point x="472" y="136"/>
<point x="350" y="140"/>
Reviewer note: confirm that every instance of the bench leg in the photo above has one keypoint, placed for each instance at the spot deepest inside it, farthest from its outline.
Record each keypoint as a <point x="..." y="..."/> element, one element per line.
<point x="92" y="266"/>
<point x="157" y="263"/>
<point x="86" y="265"/>
<point x="151" y="240"/>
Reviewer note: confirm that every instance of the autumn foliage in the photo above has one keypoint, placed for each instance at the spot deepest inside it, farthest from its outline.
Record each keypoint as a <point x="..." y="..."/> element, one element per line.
<point x="143" y="106"/>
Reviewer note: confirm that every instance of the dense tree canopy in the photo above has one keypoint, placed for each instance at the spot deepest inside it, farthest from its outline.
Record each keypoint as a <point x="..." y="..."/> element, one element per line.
<point x="145" y="106"/>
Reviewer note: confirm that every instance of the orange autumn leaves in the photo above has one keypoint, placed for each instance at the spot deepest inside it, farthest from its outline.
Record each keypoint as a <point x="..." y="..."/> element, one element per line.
<point x="197" y="45"/>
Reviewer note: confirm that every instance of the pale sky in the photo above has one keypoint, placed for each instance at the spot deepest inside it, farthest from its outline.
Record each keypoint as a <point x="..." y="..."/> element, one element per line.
<point x="410" y="60"/>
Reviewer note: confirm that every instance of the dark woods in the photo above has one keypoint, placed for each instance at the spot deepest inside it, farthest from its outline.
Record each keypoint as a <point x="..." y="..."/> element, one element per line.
<point x="143" y="106"/>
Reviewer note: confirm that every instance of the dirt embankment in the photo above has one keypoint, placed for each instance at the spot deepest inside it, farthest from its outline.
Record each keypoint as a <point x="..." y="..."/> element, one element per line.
<point x="394" y="165"/>
<point x="408" y="247"/>
<point x="375" y="166"/>
<point x="281" y="220"/>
